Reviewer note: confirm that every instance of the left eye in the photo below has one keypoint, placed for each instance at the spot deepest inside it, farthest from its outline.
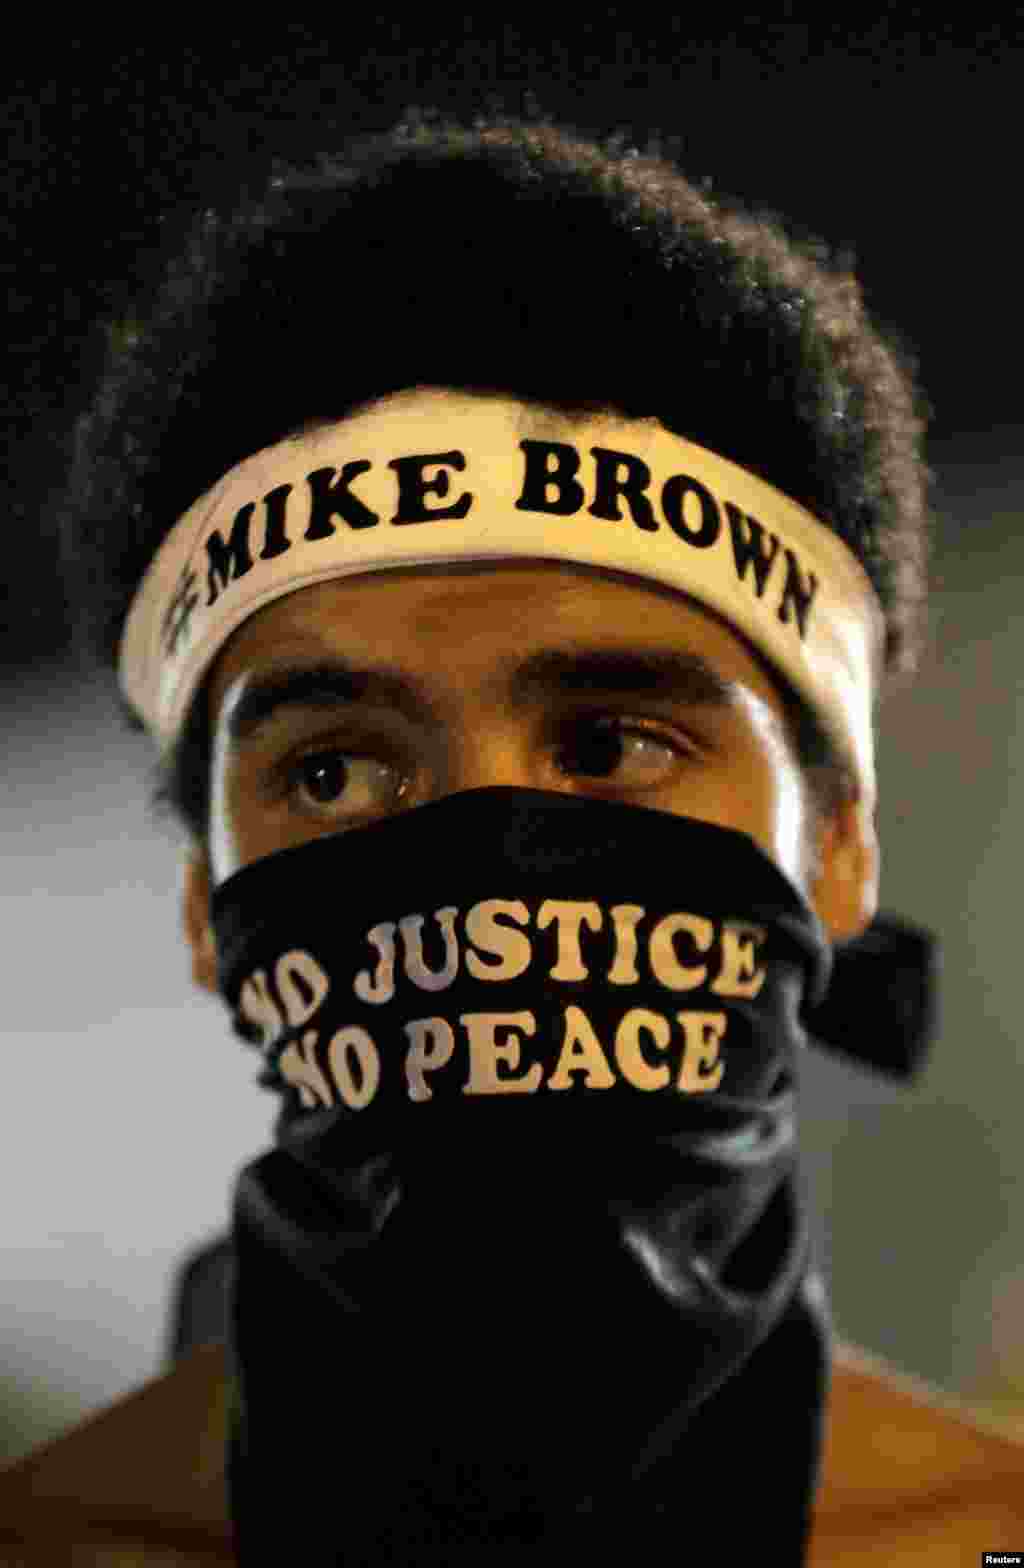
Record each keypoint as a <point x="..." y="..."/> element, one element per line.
<point x="600" y="746"/>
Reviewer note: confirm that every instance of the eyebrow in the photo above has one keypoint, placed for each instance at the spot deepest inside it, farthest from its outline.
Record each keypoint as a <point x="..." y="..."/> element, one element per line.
<point x="677" y="675"/>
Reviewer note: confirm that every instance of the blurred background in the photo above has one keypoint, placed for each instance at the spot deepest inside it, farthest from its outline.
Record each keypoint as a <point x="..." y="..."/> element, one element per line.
<point x="128" y="1106"/>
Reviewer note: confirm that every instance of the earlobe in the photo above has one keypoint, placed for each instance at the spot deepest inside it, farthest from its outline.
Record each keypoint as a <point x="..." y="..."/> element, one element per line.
<point x="196" y="919"/>
<point x="846" y="897"/>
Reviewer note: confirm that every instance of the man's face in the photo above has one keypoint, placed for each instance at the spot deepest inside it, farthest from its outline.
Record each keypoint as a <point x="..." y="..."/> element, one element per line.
<point x="456" y="637"/>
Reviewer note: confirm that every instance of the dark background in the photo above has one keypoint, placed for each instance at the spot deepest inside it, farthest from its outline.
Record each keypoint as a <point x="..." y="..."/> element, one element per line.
<point x="897" y="138"/>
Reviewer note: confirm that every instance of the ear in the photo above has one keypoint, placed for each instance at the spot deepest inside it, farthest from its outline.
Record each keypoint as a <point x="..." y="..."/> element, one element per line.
<point x="845" y="893"/>
<point x="196" y="918"/>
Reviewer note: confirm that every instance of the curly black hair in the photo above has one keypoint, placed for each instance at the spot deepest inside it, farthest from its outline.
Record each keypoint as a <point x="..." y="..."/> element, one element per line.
<point x="508" y="254"/>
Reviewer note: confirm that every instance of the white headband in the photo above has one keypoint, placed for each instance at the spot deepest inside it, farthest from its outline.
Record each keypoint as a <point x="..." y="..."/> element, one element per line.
<point x="430" y="475"/>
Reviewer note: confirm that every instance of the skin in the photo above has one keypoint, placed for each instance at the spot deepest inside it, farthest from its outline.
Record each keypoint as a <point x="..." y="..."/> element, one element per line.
<point x="448" y="627"/>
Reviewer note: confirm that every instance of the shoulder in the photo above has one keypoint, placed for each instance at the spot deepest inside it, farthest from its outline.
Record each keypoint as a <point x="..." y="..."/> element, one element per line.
<point x="142" y="1481"/>
<point x="910" y="1474"/>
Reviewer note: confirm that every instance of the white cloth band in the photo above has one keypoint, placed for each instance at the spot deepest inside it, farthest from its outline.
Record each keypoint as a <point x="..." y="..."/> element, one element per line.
<point x="430" y="474"/>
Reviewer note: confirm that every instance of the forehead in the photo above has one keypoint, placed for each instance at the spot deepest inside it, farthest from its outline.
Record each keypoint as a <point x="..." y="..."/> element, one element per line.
<point x="450" y="622"/>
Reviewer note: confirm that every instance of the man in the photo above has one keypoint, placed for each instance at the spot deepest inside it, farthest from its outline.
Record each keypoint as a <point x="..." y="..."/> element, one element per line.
<point x="507" y="548"/>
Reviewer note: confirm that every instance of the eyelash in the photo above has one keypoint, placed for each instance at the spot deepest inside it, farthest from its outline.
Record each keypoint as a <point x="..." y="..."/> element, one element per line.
<point x="289" y="772"/>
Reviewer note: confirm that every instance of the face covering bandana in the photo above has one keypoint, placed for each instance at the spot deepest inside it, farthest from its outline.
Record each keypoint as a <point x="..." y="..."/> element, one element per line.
<point x="535" y="1198"/>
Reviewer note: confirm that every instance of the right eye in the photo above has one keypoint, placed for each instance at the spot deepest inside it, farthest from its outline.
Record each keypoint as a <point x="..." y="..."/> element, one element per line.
<point x="330" y="778"/>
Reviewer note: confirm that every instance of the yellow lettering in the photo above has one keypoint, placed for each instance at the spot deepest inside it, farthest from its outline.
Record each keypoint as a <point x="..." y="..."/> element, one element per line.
<point x="581" y="1051"/>
<point x="352" y="1048"/>
<point x="629" y="1055"/>
<point x="665" y="965"/>
<point x="484" y="931"/>
<point x="485" y="1053"/>
<point x="736" y="942"/>
<point x="700" y="1051"/>
<point x="568" y="917"/>
<point x="431" y="1043"/>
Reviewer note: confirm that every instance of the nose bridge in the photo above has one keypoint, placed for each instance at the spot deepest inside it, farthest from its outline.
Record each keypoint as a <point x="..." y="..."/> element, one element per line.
<point x="482" y="750"/>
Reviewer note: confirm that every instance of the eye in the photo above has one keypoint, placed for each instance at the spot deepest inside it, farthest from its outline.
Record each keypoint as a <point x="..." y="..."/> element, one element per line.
<point x="606" y="747"/>
<point x="319" y="780"/>
<point x="628" y="757"/>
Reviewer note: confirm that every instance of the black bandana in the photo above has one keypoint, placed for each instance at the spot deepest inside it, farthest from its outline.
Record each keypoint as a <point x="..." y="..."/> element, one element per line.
<point x="535" y="1219"/>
